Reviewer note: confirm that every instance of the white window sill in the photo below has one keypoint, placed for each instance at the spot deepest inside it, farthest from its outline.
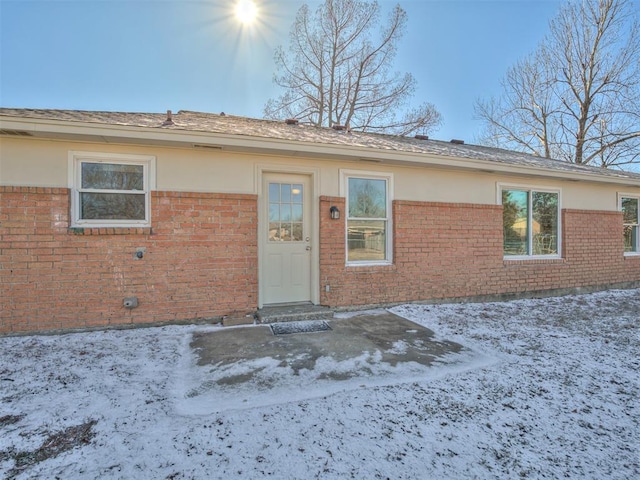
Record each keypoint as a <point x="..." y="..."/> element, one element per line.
<point x="531" y="257"/>
<point x="81" y="224"/>
<point x="369" y="264"/>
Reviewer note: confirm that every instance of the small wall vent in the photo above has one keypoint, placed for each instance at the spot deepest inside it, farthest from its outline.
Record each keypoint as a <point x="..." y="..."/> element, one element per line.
<point x="15" y="133"/>
<point x="210" y="147"/>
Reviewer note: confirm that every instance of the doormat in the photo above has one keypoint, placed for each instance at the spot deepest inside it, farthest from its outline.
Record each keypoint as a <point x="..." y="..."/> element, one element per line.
<point x="308" y="326"/>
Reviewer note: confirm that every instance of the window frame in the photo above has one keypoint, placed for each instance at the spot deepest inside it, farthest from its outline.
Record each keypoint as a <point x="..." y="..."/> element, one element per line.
<point x="636" y="197"/>
<point x="345" y="175"/>
<point x="77" y="159"/>
<point x="530" y="189"/>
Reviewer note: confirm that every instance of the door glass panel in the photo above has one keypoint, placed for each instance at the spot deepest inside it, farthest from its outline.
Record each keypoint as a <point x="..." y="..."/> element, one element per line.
<point x="285" y="193"/>
<point x="296" y="232"/>
<point x="285" y="212"/>
<point x="274" y="192"/>
<point x="296" y="193"/>
<point x="274" y="212"/>
<point x="274" y="231"/>
<point x="296" y="213"/>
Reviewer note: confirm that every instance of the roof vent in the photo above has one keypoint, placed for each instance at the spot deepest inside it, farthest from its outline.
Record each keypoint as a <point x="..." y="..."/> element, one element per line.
<point x="169" y="120"/>
<point x="291" y="121"/>
<point x="15" y="133"/>
<point x="457" y="142"/>
<point x="339" y="127"/>
<point x="421" y="137"/>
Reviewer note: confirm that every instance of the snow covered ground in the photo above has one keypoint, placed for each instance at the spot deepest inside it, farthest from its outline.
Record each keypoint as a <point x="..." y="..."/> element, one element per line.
<point x="560" y="400"/>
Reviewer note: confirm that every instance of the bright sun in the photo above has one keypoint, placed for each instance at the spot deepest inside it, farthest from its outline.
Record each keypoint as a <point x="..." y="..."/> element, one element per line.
<point x="246" y="11"/>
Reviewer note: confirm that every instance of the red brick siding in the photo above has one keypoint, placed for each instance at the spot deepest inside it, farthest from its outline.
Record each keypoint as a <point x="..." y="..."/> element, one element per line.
<point x="455" y="250"/>
<point x="200" y="261"/>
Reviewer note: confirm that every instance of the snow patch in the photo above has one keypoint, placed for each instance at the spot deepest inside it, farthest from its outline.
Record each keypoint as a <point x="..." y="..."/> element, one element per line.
<point x="562" y="402"/>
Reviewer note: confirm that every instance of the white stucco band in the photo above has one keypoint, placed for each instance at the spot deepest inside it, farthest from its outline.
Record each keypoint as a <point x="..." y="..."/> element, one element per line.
<point x="44" y="163"/>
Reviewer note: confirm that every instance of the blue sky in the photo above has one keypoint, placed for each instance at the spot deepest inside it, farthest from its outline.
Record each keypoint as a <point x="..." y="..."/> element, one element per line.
<point x="156" y="55"/>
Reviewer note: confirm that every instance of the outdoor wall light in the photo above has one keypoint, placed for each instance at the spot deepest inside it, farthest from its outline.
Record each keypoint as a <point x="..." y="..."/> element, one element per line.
<point x="335" y="213"/>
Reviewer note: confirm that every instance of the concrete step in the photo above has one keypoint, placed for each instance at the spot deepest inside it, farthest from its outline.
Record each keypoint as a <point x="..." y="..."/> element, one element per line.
<point x="293" y="313"/>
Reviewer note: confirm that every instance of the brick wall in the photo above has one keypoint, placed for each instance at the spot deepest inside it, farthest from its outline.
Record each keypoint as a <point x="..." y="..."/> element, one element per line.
<point x="200" y="261"/>
<point x="445" y="250"/>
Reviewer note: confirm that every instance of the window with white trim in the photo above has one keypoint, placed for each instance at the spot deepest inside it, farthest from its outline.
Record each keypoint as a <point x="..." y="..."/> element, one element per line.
<point x="531" y="222"/>
<point x="111" y="190"/>
<point x="368" y="218"/>
<point x="630" y="207"/>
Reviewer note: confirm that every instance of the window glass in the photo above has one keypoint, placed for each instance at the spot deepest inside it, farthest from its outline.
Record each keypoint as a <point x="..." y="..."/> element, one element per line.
<point x="366" y="240"/>
<point x="367" y="220"/>
<point x="631" y="238"/>
<point x="367" y="198"/>
<point x="112" y="206"/>
<point x="530" y="222"/>
<point x="515" y="217"/>
<point x="545" y="223"/>
<point x="107" y="176"/>
<point x="630" y="224"/>
<point x="630" y="210"/>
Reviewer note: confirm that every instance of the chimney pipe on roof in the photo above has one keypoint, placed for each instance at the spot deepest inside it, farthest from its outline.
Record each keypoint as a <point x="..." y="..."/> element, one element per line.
<point x="169" y="120"/>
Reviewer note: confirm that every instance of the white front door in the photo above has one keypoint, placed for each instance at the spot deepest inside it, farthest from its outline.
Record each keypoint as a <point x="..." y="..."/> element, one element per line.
<point x="286" y="258"/>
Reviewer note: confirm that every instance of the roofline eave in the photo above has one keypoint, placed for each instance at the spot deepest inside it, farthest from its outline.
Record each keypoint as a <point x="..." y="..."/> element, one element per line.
<point x="126" y="134"/>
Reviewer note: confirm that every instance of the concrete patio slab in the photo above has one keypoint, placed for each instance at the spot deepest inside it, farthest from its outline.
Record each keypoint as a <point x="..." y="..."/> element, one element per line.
<point x="397" y="340"/>
<point x="250" y="366"/>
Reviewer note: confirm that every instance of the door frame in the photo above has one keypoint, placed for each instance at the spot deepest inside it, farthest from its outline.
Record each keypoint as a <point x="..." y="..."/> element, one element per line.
<point x="314" y="223"/>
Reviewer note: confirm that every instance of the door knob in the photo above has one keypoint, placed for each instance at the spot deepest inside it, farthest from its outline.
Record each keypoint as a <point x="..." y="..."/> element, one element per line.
<point x="308" y="248"/>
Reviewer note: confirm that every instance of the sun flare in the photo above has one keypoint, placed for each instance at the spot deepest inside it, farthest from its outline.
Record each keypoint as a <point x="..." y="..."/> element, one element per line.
<point x="246" y="11"/>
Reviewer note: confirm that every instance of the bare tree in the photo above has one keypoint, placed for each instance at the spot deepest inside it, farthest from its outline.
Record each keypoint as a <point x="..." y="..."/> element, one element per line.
<point x="336" y="73"/>
<point x="577" y="97"/>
